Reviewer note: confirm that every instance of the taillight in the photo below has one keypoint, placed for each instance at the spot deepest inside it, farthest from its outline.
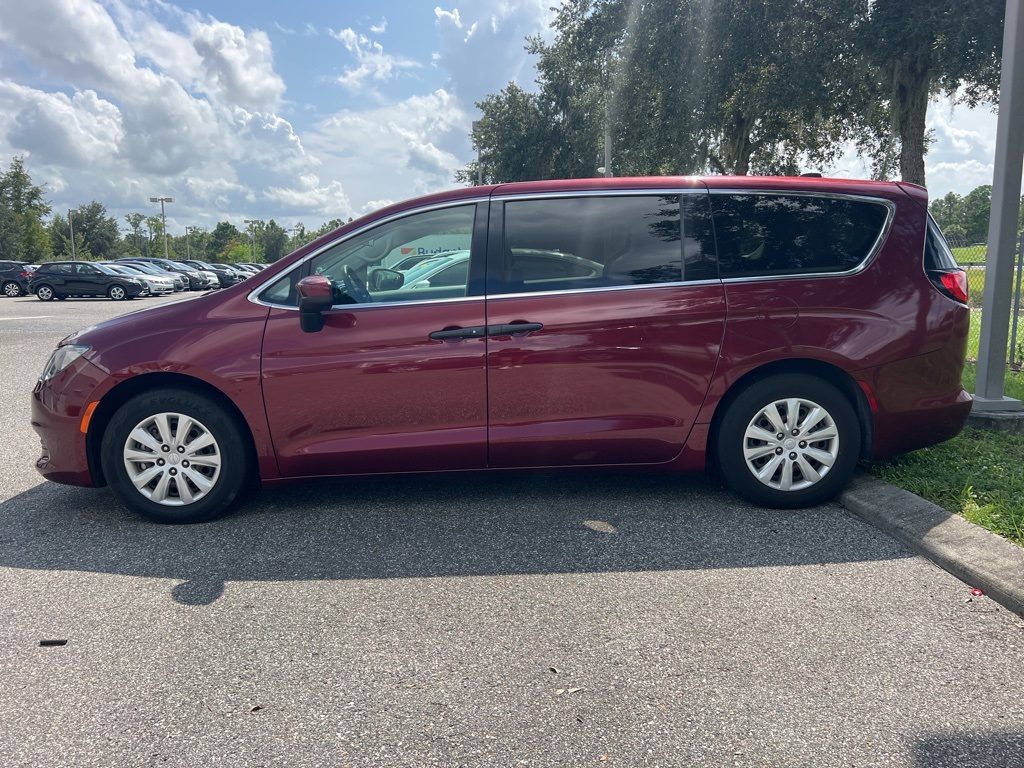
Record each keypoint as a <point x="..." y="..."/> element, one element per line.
<point x="951" y="283"/>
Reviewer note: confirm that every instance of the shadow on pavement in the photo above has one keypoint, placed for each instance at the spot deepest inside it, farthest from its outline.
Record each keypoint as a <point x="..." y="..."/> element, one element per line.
<point x="981" y="750"/>
<point x="433" y="526"/>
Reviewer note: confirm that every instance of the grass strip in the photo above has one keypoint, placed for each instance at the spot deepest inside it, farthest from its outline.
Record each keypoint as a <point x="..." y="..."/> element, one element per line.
<point x="979" y="474"/>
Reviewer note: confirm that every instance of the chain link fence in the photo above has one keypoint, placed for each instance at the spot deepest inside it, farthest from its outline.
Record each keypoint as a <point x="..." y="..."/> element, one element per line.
<point x="972" y="257"/>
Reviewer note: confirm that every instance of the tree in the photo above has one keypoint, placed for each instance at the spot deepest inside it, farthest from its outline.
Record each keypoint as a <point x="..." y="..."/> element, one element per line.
<point x="224" y="233"/>
<point x="95" y="232"/>
<point x="517" y="140"/>
<point x="681" y="89"/>
<point x="135" y="243"/>
<point x="920" y="48"/>
<point x="273" y="240"/>
<point x="11" y="236"/>
<point x="60" y="236"/>
<point x="240" y="251"/>
<point x="22" y="226"/>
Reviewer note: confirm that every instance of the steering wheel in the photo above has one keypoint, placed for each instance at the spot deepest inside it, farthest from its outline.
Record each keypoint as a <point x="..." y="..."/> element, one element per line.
<point x="355" y="287"/>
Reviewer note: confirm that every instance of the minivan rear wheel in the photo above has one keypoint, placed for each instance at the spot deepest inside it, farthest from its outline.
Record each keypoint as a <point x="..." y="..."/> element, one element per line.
<point x="175" y="456"/>
<point x="787" y="441"/>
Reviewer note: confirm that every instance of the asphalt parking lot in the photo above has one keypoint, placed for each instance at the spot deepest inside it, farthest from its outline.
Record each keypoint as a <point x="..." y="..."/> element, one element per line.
<point x="570" y="620"/>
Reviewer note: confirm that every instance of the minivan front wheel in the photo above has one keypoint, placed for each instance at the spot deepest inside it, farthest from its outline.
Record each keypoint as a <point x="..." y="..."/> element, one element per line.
<point x="174" y="456"/>
<point x="788" y="441"/>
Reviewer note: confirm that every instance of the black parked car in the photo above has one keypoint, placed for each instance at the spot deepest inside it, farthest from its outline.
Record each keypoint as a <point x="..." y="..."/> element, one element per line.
<point x="14" y="278"/>
<point x="61" y="279"/>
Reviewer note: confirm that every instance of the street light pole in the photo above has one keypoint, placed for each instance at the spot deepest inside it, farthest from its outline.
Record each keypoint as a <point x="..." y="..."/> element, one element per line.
<point x="71" y="227"/>
<point x="163" y="217"/>
<point x="252" y="239"/>
<point x="187" y="251"/>
<point x="479" y="162"/>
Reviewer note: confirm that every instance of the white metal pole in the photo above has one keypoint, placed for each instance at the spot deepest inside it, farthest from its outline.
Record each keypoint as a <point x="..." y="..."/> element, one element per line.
<point x="1002" y="228"/>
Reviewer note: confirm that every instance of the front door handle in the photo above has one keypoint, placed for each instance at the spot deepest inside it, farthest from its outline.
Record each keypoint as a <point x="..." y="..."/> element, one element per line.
<point x="454" y="334"/>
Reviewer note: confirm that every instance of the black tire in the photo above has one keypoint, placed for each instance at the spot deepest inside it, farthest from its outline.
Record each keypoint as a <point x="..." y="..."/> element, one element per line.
<point x="790" y="460"/>
<point x="117" y="293"/>
<point x="12" y="290"/>
<point x="45" y="292"/>
<point x="188" y="477"/>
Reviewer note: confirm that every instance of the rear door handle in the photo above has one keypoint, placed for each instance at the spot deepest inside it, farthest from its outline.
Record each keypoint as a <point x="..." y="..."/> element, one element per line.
<point x="511" y="329"/>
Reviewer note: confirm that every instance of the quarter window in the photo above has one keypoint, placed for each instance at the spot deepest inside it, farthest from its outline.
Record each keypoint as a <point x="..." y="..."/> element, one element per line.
<point x="763" y="234"/>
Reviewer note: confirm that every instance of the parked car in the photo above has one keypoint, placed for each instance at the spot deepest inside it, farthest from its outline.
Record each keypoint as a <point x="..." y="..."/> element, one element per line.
<point x="198" y="280"/>
<point x="66" y="279"/>
<point x="14" y="278"/>
<point x="179" y="279"/>
<point x="158" y="285"/>
<point x="225" y="274"/>
<point x="778" y="328"/>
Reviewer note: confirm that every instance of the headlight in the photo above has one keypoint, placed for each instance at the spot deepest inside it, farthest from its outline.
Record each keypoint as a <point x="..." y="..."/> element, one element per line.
<point x="61" y="358"/>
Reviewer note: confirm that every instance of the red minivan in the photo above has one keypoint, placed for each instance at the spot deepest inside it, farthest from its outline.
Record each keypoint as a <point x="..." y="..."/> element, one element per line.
<point x="778" y="328"/>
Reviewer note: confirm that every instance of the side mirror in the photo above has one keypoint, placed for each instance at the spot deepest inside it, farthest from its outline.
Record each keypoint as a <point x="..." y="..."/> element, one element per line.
<point x="387" y="279"/>
<point x="316" y="294"/>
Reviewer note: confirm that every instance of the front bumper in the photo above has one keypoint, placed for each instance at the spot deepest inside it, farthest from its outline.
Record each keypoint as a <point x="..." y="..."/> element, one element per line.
<point x="57" y="409"/>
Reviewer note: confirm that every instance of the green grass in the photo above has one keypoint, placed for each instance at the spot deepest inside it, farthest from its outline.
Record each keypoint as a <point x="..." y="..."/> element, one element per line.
<point x="974" y="338"/>
<point x="979" y="474"/>
<point x="970" y="253"/>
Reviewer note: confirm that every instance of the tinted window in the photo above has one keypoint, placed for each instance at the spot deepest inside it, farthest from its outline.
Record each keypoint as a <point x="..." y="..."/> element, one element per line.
<point x="592" y="242"/>
<point x="936" y="251"/>
<point x="764" y="234"/>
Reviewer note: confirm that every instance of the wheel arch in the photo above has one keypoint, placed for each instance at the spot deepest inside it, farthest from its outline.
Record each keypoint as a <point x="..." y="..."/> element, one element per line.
<point x="136" y="385"/>
<point x="827" y="372"/>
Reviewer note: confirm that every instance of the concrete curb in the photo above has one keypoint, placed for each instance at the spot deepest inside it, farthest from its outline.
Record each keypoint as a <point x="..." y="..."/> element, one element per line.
<point x="998" y="421"/>
<point x="975" y="556"/>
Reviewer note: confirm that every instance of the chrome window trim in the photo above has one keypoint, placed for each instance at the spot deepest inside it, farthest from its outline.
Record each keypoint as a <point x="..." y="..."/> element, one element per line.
<point x="253" y="295"/>
<point x="604" y="289"/>
<point x="889" y="205"/>
<point x="521" y="294"/>
<point x="646" y="191"/>
<point x="350" y="307"/>
<point x="883" y="233"/>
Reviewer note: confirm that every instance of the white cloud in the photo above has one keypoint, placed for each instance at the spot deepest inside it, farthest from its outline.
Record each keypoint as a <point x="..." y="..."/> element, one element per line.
<point x="78" y="131"/>
<point x="373" y="63"/>
<point x="482" y="47"/>
<point x="238" y="68"/>
<point x="145" y="109"/>
<point x="395" y="151"/>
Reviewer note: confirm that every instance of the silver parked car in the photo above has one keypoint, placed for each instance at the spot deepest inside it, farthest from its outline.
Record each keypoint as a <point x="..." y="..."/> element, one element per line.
<point x="158" y="285"/>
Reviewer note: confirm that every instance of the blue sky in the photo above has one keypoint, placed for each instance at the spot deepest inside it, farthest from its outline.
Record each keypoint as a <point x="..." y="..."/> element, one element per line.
<point x="298" y="111"/>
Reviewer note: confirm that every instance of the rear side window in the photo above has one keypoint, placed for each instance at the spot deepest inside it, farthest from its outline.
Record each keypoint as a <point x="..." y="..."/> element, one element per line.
<point x="767" y="234"/>
<point x="556" y="244"/>
<point x="937" y="255"/>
